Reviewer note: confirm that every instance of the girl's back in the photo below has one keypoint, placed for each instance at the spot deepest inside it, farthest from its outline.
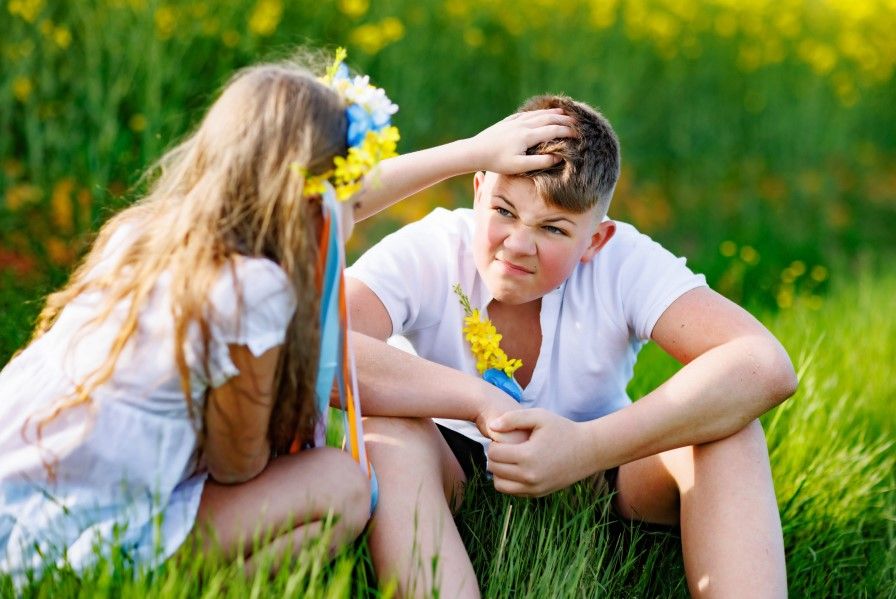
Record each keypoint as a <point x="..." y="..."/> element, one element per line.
<point x="133" y="451"/>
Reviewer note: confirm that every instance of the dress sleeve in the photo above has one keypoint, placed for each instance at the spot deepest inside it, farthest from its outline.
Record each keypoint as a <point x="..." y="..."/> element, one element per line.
<point x="252" y="305"/>
<point x="408" y="271"/>
<point x="649" y="279"/>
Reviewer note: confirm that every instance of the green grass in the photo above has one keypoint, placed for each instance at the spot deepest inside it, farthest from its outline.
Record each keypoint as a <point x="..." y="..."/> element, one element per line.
<point x="833" y="460"/>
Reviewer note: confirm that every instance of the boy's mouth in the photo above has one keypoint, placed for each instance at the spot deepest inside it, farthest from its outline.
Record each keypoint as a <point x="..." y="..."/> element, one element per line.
<point x="514" y="268"/>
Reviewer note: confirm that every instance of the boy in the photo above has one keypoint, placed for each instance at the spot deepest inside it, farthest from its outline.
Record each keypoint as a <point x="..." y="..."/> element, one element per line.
<point x="575" y="296"/>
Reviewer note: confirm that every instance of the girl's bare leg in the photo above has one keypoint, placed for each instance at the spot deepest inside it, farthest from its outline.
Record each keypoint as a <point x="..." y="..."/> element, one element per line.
<point x="285" y="506"/>
<point x="413" y="539"/>
<point x="722" y="495"/>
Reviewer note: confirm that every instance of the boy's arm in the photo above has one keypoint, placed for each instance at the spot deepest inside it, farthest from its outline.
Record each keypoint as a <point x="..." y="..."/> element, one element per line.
<point x="734" y="371"/>
<point x="393" y="382"/>
<point x="501" y="148"/>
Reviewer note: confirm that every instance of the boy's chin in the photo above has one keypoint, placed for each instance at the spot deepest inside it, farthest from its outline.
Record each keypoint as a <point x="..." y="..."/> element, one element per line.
<point x="511" y="297"/>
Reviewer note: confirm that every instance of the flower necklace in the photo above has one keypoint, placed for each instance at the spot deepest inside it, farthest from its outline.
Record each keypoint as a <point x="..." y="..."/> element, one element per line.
<point x="491" y="361"/>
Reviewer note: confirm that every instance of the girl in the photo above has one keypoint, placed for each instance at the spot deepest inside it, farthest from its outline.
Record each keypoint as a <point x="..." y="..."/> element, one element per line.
<point x="170" y="385"/>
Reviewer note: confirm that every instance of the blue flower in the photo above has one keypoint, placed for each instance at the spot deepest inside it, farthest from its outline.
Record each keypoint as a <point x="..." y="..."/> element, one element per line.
<point x="359" y="123"/>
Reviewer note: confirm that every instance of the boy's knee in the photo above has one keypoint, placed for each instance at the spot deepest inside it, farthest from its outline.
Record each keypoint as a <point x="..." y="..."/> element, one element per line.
<point x="398" y="433"/>
<point x="394" y="425"/>
<point x="750" y="440"/>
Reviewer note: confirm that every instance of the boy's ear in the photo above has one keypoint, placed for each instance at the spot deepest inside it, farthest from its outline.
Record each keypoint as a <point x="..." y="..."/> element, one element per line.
<point x="605" y="231"/>
<point x="478" y="178"/>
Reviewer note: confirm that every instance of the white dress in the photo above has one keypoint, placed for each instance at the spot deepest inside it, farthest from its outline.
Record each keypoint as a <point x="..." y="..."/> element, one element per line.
<point x="126" y="467"/>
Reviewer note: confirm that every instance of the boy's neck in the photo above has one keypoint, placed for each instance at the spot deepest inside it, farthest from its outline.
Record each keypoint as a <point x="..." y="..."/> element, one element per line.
<point x="514" y="310"/>
<point x="520" y="329"/>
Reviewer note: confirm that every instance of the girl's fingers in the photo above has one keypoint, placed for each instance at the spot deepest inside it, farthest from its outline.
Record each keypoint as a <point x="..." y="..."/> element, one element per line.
<point x="536" y="162"/>
<point x="539" y="118"/>
<point x="548" y="132"/>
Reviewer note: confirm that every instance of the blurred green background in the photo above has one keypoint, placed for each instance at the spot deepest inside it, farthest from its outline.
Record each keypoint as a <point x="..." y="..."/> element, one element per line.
<point x="758" y="137"/>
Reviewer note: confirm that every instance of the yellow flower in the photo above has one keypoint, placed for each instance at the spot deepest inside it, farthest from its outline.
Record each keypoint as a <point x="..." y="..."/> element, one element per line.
<point x="22" y="88"/>
<point x="265" y="17"/>
<point x="485" y="341"/>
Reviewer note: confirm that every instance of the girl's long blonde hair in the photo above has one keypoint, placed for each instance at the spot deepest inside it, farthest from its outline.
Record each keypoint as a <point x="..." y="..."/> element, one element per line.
<point x="231" y="188"/>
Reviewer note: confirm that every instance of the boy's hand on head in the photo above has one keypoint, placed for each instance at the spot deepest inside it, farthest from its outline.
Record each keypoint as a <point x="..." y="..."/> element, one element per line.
<point x="502" y="147"/>
<point x="550" y="460"/>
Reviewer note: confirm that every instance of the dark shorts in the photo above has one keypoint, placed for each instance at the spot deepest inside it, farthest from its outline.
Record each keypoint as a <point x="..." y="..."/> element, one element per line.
<point x="469" y="453"/>
<point x="471" y="456"/>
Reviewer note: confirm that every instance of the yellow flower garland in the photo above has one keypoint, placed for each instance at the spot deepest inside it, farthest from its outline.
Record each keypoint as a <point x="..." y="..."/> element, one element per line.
<point x="484" y="339"/>
<point x="377" y="145"/>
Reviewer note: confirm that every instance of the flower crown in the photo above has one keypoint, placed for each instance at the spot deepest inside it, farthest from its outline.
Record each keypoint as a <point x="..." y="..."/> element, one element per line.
<point x="370" y="136"/>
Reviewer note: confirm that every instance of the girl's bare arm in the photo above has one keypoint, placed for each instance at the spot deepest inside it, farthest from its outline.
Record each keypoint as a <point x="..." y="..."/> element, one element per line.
<point x="236" y="421"/>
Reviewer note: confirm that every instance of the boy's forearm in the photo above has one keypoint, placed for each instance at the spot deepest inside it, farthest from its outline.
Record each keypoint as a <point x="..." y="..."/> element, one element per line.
<point x="712" y="397"/>
<point x="393" y="382"/>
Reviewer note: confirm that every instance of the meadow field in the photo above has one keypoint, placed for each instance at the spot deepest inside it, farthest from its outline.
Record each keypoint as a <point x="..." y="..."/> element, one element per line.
<point x="758" y="139"/>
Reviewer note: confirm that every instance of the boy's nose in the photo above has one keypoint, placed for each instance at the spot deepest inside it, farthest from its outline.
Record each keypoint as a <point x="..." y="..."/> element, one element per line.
<point x="520" y="241"/>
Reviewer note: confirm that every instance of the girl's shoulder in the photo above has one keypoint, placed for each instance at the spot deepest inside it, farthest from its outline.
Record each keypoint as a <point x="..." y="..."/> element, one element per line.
<point x="251" y="302"/>
<point x="252" y="283"/>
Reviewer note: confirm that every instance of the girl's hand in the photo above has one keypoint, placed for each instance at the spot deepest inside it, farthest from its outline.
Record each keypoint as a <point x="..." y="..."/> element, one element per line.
<point x="502" y="147"/>
<point x="550" y="460"/>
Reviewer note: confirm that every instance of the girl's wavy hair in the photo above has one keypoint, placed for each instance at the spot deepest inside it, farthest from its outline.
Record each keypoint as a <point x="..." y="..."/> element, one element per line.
<point x="230" y="189"/>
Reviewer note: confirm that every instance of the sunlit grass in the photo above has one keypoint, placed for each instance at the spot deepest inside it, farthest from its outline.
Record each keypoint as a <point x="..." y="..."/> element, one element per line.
<point x="833" y="460"/>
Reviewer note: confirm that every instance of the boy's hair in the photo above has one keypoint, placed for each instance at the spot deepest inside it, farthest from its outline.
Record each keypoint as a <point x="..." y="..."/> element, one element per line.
<point x="232" y="188"/>
<point x="587" y="174"/>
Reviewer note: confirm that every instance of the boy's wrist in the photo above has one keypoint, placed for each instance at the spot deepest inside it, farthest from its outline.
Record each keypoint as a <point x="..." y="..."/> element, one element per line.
<point x="604" y="443"/>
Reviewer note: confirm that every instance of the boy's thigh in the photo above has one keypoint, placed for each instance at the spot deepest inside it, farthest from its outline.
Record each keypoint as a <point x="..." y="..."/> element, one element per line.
<point x="649" y="489"/>
<point x="411" y="453"/>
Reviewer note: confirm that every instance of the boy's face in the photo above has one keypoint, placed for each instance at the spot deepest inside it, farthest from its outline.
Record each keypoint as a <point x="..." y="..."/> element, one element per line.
<point x="525" y="248"/>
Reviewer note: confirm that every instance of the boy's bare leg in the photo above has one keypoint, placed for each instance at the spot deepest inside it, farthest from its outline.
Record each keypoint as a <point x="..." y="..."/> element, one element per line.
<point x="723" y="495"/>
<point x="413" y="532"/>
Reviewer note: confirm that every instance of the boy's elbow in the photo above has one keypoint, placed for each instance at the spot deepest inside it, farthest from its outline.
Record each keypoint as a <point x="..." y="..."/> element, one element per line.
<point x="781" y="378"/>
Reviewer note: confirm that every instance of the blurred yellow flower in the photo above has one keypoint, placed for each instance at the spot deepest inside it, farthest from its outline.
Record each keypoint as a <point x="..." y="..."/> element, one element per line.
<point x="373" y="37"/>
<point x="59" y="252"/>
<point x="474" y="37"/>
<point x="22" y="88"/>
<point x="61" y="205"/>
<point x="819" y="273"/>
<point x="137" y="123"/>
<point x="26" y="9"/>
<point x="265" y="17"/>
<point x="728" y="248"/>
<point x="798" y="267"/>
<point x="62" y="36"/>
<point x="354" y="8"/>
<point x="785" y="298"/>
<point x="749" y="254"/>
<point x="21" y="195"/>
<point x="165" y="22"/>
<point x="603" y="13"/>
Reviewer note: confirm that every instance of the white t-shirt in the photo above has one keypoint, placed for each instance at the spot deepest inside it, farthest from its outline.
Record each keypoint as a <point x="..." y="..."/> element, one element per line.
<point x="592" y="326"/>
<point x="131" y="455"/>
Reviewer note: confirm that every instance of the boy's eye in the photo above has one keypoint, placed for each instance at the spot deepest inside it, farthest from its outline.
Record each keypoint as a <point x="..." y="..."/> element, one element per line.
<point x="554" y="230"/>
<point x="503" y="211"/>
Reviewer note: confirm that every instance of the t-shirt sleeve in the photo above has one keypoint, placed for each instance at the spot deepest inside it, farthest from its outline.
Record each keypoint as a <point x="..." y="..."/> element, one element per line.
<point x="252" y="305"/>
<point x="649" y="279"/>
<point x="409" y="271"/>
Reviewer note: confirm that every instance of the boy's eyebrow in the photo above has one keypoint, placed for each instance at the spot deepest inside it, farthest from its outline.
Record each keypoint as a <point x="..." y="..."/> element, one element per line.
<point x="553" y="219"/>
